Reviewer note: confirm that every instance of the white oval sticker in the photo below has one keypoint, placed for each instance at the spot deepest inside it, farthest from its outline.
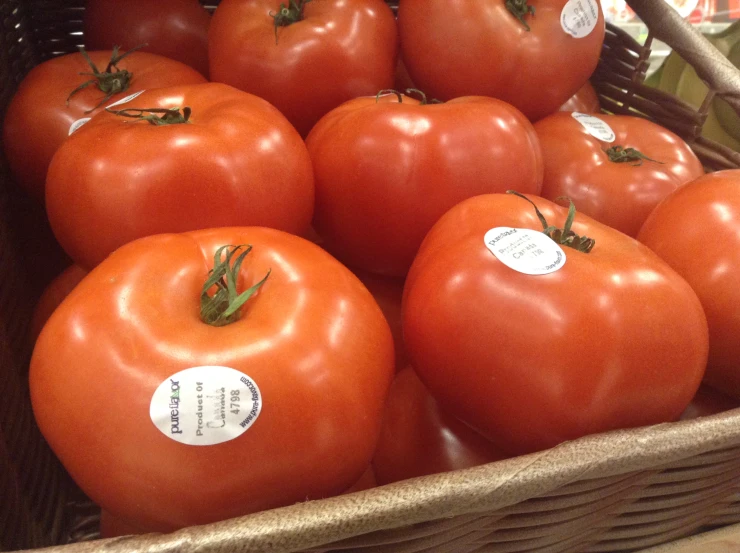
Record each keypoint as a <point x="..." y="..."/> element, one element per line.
<point x="594" y="126"/>
<point x="579" y="17"/>
<point x="126" y="99"/>
<point x="205" y="405"/>
<point x="77" y="124"/>
<point x="525" y="250"/>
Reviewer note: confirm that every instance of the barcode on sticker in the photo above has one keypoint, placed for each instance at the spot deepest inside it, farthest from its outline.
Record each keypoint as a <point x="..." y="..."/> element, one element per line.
<point x="579" y="17"/>
<point x="595" y="127"/>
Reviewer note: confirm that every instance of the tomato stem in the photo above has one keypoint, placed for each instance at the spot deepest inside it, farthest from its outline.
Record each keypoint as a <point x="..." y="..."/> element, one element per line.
<point x="620" y="154"/>
<point x="222" y="308"/>
<point x="109" y="81"/>
<point x="287" y="15"/>
<point x="519" y="9"/>
<point x="170" y="116"/>
<point x="411" y="92"/>
<point x="389" y="91"/>
<point x="564" y="236"/>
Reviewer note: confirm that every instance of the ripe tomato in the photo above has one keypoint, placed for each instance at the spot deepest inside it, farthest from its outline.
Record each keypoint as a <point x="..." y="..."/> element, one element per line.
<point x="236" y="161"/>
<point x="38" y="118"/>
<point x="366" y="482"/>
<point x="306" y="58"/>
<point x="388" y="292"/>
<point x="696" y="231"/>
<point x="417" y="438"/>
<point x="177" y="29"/>
<point x="584" y="101"/>
<point x="113" y="527"/>
<point x="456" y="48"/>
<point x="386" y="169"/>
<point x="53" y="295"/>
<point x="609" y="181"/>
<point x="708" y="401"/>
<point x="613" y="339"/>
<point x="312" y="339"/>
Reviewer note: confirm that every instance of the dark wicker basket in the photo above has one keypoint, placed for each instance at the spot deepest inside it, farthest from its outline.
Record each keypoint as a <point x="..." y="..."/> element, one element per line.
<point x="620" y="491"/>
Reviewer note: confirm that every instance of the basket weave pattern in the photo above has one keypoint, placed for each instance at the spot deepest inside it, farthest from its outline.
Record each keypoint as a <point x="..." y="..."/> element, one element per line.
<point x="621" y="491"/>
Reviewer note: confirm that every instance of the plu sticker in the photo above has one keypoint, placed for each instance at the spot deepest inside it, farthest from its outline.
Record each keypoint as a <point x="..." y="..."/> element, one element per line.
<point x="524" y="250"/>
<point x="595" y="127"/>
<point x="126" y="99"/>
<point x="77" y="124"/>
<point x="579" y="17"/>
<point x="205" y="405"/>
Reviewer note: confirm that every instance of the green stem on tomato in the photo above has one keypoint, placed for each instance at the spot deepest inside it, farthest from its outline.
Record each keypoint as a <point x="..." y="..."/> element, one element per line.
<point x="287" y="15"/>
<point x="111" y="81"/>
<point x="620" y="154"/>
<point x="520" y="9"/>
<point x="564" y="236"/>
<point x="222" y="308"/>
<point x="171" y="116"/>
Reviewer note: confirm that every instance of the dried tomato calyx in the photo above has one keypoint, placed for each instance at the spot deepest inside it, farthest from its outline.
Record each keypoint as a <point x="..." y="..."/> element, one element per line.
<point x="563" y="236"/>
<point x="111" y="81"/>
<point x="222" y="307"/>
<point x="287" y="15"/>
<point x="170" y="116"/>
<point x="520" y="9"/>
<point x="620" y="154"/>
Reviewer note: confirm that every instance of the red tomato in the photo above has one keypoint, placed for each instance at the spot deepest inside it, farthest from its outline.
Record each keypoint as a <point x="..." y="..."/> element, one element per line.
<point x="609" y="181"/>
<point x="417" y="438"/>
<point x="708" y="401"/>
<point x="38" y="118"/>
<point x="402" y="80"/>
<point x="177" y="29"/>
<point x="113" y="527"/>
<point x="54" y="294"/>
<point x="584" y="101"/>
<point x="388" y="292"/>
<point x="236" y="161"/>
<point x="386" y="170"/>
<point x="312" y="339"/>
<point x="366" y="482"/>
<point x="696" y="230"/>
<point x="457" y="48"/>
<point x="305" y="61"/>
<point x="613" y="339"/>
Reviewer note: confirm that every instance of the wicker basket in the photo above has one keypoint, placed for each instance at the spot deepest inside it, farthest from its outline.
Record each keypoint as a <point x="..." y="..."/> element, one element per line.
<point x="620" y="491"/>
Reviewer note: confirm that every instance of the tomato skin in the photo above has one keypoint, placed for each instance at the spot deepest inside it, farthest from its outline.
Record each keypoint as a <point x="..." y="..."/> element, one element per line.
<point x="386" y="171"/>
<point x="388" y="292"/>
<point x="366" y="482"/>
<point x="38" y="118"/>
<point x="340" y="50"/>
<point x="312" y="338"/>
<point x="176" y="29"/>
<point x="418" y="438"/>
<point x="695" y="230"/>
<point x="708" y="401"/>
<point x="620" y="195"/>
<point x="114" y="181"/>
<point x="614" y="339"/>
<point x="53" y="295"/>
<point x="584" y="101"/>
<point x="113" y="527"/>
<point x="536" y="71"/>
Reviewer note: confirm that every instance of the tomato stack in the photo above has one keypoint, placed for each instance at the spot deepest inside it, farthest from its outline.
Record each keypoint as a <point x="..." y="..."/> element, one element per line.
<point x="370" y="248"/>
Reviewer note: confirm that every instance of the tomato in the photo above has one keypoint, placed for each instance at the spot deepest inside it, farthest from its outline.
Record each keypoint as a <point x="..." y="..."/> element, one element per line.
<point x="403" y="79"/>
<point x="177" y="29"/>
<point x="58" y="289"/>
<point x="388" y="292"/>
<point x="418" y="438"/>
<point x="311" y="338"/>
<point x="620" y="182"/>
<point x="458" y="48"/>
<point x="696" y="230"/>
<point x="38" y="118"/>
<point x="306" y="58"/>
<point x="387" y="169"/>
<point x="584" y="101"/>
<point x="611" y="339"/>
<point x="236" y="161"/>
<point x="366" y="482"/>
<point x="708" y="401"/>
<point x="113" y="527"/>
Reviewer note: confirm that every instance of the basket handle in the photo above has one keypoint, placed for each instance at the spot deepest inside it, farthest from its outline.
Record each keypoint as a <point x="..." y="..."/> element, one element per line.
<point x="667" y="25"/>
